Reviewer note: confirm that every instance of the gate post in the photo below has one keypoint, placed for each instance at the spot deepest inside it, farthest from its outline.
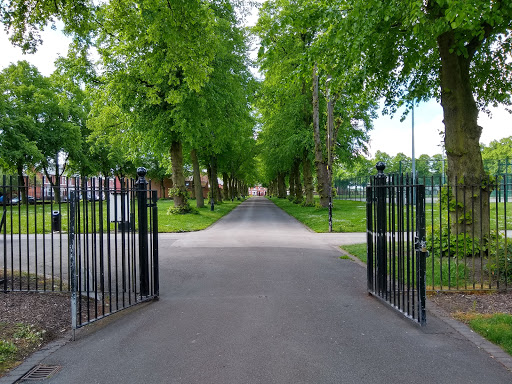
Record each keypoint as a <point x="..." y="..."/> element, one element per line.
<point x="421" y="253"/>
<point x="72" y="259"/>
<point x="369" y="236"/>
<point x="142" y="203"/>
<point x="380" y="184"/>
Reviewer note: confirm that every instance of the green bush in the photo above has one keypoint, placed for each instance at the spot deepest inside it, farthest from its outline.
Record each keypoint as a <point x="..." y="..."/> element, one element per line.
<point x="454" y="245"/>
<point x="500" y="260"/>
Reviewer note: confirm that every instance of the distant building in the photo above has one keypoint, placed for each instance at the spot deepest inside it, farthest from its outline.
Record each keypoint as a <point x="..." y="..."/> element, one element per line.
<point x="257" y="191"/>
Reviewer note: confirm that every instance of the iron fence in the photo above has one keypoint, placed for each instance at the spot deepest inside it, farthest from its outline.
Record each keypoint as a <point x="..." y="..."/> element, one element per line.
<point x="468" y="232"/>
<point x="96" y="238"/>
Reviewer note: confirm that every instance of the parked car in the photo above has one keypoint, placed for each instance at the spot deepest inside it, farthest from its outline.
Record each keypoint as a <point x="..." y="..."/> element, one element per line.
<point x="17" y="200"/>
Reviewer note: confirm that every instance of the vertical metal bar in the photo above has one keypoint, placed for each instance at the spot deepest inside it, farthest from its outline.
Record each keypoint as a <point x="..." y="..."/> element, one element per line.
<point x="448" y="227"/>
<point x="94" y="254"/>
<point x="35" y="233"/>
<point x="408" y="202"/>
<point x="505" y="248"/>
<point x="101" y="245"/>
<point x="44" y="231"/>
<point x="59" y="196"/>
<point x="457" y="189"/>
<point x="393" y="238"/>
<point x="72" y="260"/>
<point x="143" y="231"/>
<point x="421" y="254"/>
<point x="4" y="230"/>
<point x="26" y="190"/>
<point x="369" y="237"/>
<point x="381" y="229"/>
<point x="154" y="228"/>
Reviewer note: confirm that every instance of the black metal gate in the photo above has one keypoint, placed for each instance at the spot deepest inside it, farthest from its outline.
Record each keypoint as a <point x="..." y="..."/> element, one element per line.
<point x="396" y="242"/>
<point x="113" y="271"/>
<point x="94" y="238"/>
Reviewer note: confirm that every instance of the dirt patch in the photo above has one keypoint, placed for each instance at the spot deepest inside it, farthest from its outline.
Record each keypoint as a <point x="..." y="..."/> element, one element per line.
<point x="30" y="320"/>
<point x="489" y="303"/>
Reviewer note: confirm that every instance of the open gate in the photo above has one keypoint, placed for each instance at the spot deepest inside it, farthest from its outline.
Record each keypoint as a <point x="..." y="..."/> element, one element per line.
<point x="396" y="242"/>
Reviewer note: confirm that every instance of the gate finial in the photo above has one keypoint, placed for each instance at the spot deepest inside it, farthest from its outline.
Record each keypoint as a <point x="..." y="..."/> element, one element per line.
<point x="380" y="168"/>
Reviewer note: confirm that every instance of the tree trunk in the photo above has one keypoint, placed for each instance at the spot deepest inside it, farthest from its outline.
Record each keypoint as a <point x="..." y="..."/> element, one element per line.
<point x="308" y="180"/>
<point x="281" y="186"/>
<point x="299" y="197"/>
<point x="178" y="178"/>
<point x="320" y="163"/>
<point x="225" y="181"/>
<point x="462" y="142"/>
<point x="215" y="181"/>
<point x="198" y="188"/>
<point x="291" y="179"/>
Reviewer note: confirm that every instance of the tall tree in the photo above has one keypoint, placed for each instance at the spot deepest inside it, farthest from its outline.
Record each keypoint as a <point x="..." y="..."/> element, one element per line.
<point x="455" y="51"/>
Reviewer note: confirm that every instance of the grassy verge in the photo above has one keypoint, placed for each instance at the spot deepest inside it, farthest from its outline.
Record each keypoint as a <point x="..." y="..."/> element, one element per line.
<point x="348" y="216"/>
<point x="201" y="218"/>
<point x="17" y="342"/>
<point x="497" y="328"/>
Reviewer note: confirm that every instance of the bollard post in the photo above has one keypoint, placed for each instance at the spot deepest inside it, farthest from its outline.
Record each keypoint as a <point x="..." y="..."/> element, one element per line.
<point x="142" y="203"/>
<point x="380" y="184"/>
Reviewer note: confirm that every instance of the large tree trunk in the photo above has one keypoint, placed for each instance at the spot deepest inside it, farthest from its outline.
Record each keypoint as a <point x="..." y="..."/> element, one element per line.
<point x="198" y="188"/>
<point x="179" y="191"/>
<point x="281" y="186"/>
<point x="225" y="181"/>
<point x="215" y="181"/>
<point x="462" y="142"/>
<point x="291" y="179"/>
<point x="308" y="180"/>
<point x="320" y="163"/>
<point x="298" y="185"/>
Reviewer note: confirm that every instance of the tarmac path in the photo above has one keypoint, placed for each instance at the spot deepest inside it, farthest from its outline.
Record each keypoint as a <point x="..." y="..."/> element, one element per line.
<point x="258" y="298"/>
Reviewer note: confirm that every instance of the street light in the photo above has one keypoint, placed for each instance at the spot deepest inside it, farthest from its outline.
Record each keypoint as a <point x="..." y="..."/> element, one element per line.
<point x="330" y="127"/>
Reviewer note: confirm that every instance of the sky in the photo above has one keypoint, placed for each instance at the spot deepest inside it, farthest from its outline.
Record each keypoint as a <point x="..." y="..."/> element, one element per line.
<point x="389" y="134"/>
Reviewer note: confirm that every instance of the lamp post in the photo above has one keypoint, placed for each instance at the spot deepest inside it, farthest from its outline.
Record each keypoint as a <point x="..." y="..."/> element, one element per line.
<point x="330" y="127"/>
<point x="413" y="156"/>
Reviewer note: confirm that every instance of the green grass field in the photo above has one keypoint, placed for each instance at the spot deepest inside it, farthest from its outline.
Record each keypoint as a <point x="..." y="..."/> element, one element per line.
<point x="37" y="218"/>
<point x="348" y="216"/>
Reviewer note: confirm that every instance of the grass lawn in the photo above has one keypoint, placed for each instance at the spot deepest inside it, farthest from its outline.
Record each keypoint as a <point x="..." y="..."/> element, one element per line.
<point x="37" y="218"/>
<point x="201" y="219"/>
<point x="347" y="216"/>
<point x="497" y="328"/>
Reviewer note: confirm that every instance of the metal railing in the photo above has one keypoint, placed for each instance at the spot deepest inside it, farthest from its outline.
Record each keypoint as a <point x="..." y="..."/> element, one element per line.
<point x="468" y="232"/>
<point x="94" y="238"/>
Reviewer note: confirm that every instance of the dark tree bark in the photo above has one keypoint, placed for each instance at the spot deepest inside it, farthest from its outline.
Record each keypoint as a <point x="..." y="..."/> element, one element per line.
<point x="462" y="141"/>
<point x="299" y="196"/>
<point x="308" y="180"/>
<point x="178" y="178"/>
<point x="225" y="181"/>
<point x="320" y="163"/>
<point x="281" y="185"/>
<point x="215" y="181"/>
<point x="198" y="188"/>
<point x="291" y="179"/>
